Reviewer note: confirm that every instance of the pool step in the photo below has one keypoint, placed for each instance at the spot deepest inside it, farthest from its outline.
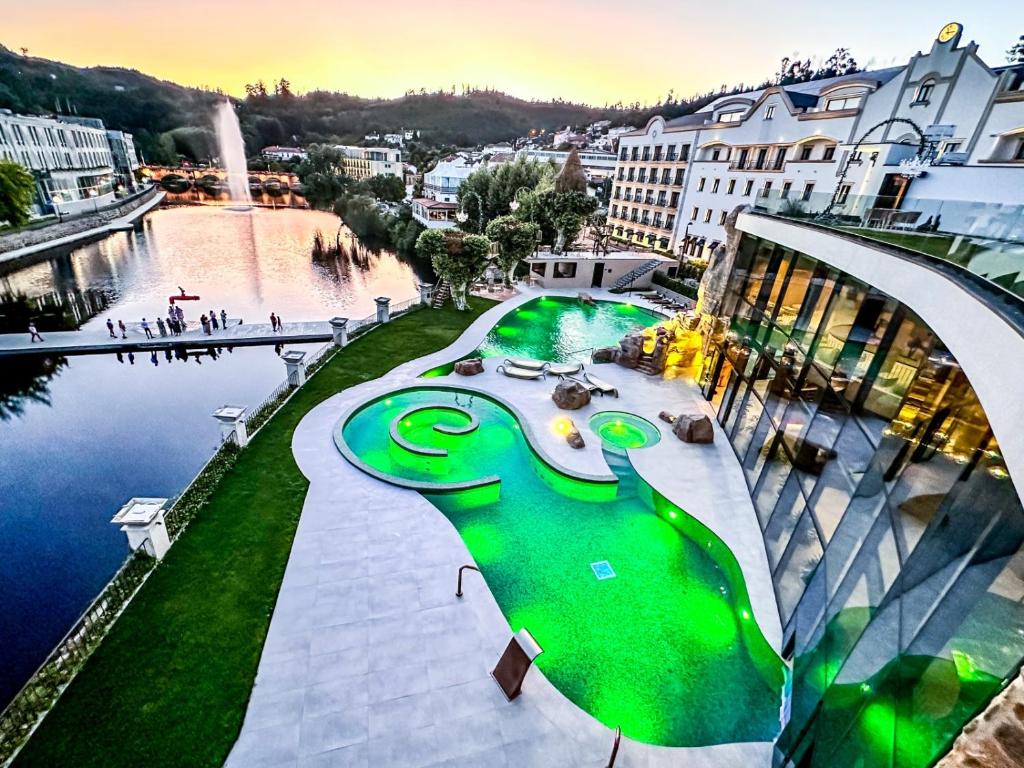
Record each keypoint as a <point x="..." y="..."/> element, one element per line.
<point x="622" y="469"/>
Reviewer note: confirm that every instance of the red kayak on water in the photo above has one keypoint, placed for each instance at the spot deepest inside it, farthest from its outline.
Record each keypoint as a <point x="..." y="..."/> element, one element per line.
<point x="183" y="297"/>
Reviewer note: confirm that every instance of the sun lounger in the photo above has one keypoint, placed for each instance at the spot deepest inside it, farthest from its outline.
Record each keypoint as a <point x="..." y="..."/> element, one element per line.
<point x="563" y="369"/>
<point x="526" y="363"/>
<point x="516" y="372"/>
<point x="602" y="386"/>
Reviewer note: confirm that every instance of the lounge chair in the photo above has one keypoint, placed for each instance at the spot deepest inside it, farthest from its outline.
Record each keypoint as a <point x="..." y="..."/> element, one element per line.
<point x="562" y="370"/>
<point x="515" y="372"/>
<point x="602" y="386"/>
<point x="526" y="363"/>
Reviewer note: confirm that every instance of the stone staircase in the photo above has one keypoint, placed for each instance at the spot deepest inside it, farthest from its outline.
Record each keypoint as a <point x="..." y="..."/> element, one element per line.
<point x="635" y="274"/>
<point x="646" y="364"/>
<point x="442" y="293"/>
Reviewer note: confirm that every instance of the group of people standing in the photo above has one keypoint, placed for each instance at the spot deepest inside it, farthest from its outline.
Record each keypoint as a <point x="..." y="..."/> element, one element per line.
<point x="209" y="322"/>
<point x="174" y="325"/>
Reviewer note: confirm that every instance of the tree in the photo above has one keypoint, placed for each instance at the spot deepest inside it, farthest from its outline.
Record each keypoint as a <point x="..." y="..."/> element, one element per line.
<point x="386" y="187"/>
<point x="283" y="88"/>
<point x="17" y="188"/>
<point x="516" y="240"/>
<point x="322" y="176"/>
<point x="841" y="62"/>
<point x="474" y="194"/>
<point x="1016" y="53"/>
<point x="569" y="211"/>
<point x="457" y="257"/>
<point x="571" y="178"/>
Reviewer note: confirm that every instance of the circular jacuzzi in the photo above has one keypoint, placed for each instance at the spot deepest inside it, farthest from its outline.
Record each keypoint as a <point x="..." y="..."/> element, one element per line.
<point x="621" y="430"/>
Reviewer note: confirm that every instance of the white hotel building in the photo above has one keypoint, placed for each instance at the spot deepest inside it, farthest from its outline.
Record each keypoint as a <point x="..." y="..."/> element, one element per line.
<point x="367" y="162"/>
<point x="70" y="158"/>
<point x="836" y="143"/>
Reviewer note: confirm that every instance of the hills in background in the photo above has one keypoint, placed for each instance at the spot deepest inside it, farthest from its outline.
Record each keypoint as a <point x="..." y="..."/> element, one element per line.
<point x="168" y="119"/>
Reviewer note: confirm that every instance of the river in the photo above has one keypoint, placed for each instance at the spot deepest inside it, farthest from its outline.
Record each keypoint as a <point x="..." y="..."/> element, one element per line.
<point x="80" y="435"/>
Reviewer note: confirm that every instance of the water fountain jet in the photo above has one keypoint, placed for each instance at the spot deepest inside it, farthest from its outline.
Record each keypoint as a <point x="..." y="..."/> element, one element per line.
<point x="232" y="155"/>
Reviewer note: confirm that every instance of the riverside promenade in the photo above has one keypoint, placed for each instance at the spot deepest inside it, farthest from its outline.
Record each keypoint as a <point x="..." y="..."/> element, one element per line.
<point x="97" y="340"/>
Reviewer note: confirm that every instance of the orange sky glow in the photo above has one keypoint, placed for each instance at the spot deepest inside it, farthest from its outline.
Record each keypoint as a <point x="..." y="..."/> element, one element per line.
<point x="597" y="51"/>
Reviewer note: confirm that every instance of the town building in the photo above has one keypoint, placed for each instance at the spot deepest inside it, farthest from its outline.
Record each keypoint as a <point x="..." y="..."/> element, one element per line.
<point x="126" y="161"/>
<point x="70" y="158"/>
<point x="946" y="126"/>
<point x="284" y="154"/>
<point x="367" y="162"/>
<point x="440" y="201"/>
<point x="597" y="164"/>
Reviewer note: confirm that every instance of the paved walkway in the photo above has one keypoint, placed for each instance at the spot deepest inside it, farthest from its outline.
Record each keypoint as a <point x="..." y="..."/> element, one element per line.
<point x="97" y="340"/>
<point x="120" y="224"/>
<point x="371" y="660"/>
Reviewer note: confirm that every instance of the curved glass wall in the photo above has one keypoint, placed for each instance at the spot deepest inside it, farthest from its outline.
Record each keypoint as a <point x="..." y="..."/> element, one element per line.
<point x="893" y="531"/>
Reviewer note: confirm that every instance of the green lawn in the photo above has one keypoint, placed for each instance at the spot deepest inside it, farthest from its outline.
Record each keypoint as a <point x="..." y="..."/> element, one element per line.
<point x="169" y="684"/>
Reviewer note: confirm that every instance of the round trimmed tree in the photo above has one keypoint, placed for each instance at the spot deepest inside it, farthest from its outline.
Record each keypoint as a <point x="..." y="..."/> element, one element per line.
<point x="457" y="258"/>
<point x="516" y="240"/>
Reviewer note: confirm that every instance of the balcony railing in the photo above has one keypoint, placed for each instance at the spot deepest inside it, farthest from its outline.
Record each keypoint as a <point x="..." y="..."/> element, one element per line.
<point x="984" y="240"/>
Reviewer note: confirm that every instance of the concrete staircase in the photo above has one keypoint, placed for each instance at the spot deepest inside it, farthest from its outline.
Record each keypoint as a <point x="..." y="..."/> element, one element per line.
<point x="635" y="274"/>
<point x="646" y="364"/>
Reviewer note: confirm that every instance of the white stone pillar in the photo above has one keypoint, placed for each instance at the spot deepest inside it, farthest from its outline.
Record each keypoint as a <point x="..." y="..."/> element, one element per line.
<point x="426" y="293"/>
<point x="339" y="330"/>
<point x="294" y="363"/>
<point x="383" y="309"/>
<point x="232" y="424"/>
<point x="142" y="520"/>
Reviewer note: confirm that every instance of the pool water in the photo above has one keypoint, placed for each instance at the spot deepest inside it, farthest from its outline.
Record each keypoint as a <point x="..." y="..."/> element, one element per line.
<point x="668" y="648"/>
<point x="559" y="329"/>
<point x="621" y="430"/>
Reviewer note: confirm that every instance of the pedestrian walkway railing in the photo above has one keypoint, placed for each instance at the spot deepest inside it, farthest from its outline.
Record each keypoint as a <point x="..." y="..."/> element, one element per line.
<point x="35" y="699"/>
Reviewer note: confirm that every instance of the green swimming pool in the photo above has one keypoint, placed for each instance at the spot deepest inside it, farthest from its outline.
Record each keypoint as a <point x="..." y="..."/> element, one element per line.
<point x="621" y="430"/>
<point x="667" y="648"/>
<point x="558" y="329"/>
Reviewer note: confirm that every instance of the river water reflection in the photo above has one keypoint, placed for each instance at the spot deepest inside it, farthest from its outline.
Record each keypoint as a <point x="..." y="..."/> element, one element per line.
<point x="78" y="436"/>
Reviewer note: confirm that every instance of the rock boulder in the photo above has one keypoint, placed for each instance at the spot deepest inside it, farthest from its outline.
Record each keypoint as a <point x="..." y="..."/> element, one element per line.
<point x="574" y="438"/>
<point x="667" y="417"/>
<point x="604" y="355"/>
<point x="570" y="395"/>
<point x="692" y="428"/>
<point x="469" y="367"/>
<point x="630" y="349"/>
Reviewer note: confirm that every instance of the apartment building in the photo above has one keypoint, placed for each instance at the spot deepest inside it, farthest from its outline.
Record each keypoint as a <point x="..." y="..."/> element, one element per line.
<point x="367" y="162"/>
<point x="597" y="164"/>
<point x="648" y="183"/>
<point x="944" y="127"/>
<point x="70" y="158"/>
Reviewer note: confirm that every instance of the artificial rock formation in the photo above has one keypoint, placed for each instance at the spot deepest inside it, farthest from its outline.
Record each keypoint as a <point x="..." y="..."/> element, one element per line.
<point x="570" y="395"/>
<point x="574" y="438"/>
<point x="470" y="366"/>
<point x="995" y="738"/>
<point x="692" y="428"/>
<point x="630" y="350"/>
<point x="667" y="417"/>
<point x="604" y="355"/>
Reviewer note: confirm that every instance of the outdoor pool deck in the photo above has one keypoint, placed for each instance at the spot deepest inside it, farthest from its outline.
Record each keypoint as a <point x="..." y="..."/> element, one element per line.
<point x="371" y="659"/>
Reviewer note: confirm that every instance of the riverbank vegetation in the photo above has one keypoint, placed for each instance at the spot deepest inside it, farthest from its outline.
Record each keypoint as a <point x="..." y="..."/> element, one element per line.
<point x="169" y="685"/>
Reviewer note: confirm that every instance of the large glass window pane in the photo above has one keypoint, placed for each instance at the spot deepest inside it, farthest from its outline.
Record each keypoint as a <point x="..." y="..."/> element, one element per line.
<point x="797" y="566"/>
<point x="815" y="305"/>
<point x="783" y="522"/>
<point x="838" y="322"/>
<point x="746" y="422"/>
<point x="801" y="275"/>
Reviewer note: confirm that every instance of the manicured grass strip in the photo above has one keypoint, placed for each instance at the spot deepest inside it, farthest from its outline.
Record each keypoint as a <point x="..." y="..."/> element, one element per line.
<point x="169" y="685"/>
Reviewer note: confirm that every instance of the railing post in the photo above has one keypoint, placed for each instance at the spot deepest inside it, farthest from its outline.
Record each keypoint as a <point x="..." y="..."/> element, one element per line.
<point x="383" y="309"/>
<point x="232" y="424"/>
<point x="426" y="293"/>
<point x="142" y="520"/>
<point x="293" y="361"/>
<point x="339" y="330"/>
<point x="458" y="590"/>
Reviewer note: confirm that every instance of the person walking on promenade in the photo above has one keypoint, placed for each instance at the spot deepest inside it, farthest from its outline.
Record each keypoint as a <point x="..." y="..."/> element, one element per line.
<point x="121" y="327"/>
<point x="110" y="327"/>
<point x="145" y="329"/>
<point x="224" y="319"/>
<point x="205" y="322"/>
<point x="280" y="324"/>
<point x="180" y="314"/>
<point x="161" y="327"/>
<point x="273" y="322"/>
<point x="213" y="320"/>
<point x="33" y="334"/>
<point x="172" y="324"/>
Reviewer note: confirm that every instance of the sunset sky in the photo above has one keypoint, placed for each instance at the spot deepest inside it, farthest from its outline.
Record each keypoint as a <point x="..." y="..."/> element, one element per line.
<point x="596" y="51"/>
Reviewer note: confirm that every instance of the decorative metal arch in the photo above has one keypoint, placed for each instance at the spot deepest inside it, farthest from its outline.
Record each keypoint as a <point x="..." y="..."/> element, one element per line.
<point x="922" y="148"/>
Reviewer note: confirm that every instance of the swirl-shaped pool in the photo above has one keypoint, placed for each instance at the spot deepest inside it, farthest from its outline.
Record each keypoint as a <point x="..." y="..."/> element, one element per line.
<point x="668" y="649"/>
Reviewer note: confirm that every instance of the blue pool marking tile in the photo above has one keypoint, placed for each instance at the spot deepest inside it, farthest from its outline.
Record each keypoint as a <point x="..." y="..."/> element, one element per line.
<point x="602" y="570"/>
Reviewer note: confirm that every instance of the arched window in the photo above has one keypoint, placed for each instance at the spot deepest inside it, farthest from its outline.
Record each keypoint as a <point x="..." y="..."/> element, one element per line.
<point x="924" y="92"/>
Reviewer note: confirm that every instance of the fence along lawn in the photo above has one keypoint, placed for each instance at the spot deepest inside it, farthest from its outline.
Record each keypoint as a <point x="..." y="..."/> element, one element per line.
<point x="169" y="684"/>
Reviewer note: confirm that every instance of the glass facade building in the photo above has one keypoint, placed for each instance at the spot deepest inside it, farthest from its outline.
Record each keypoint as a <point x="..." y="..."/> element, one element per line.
<point x="893" y="531"/>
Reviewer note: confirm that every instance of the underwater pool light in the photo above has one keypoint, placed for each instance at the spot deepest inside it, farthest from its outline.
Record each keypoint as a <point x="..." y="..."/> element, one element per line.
<point x="673" y="514"/>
